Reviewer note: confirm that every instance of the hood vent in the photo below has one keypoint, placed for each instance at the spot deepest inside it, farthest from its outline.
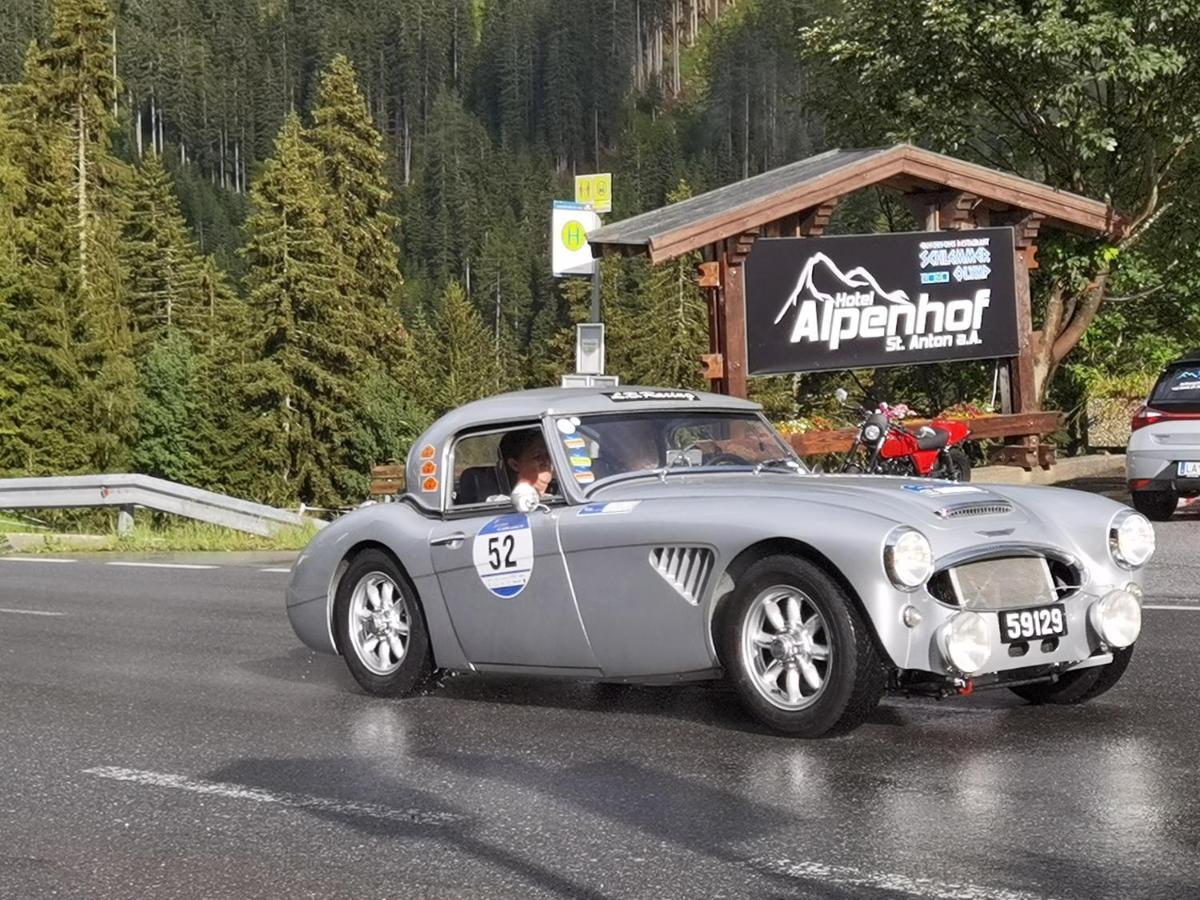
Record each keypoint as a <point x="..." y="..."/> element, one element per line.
<point x="685" y="568"/>
<point x="985" y="508"/>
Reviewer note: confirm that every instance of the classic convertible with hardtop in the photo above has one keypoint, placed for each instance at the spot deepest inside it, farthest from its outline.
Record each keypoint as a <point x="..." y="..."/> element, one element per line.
<point x="645" y="535"/>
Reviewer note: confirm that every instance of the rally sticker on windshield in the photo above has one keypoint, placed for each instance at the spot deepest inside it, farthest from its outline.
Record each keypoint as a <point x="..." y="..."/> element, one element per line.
<point x="939" y="490"/>
<point x="503" y="555"/>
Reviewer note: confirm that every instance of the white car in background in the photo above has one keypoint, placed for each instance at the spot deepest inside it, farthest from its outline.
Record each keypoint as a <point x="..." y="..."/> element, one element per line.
<point x="1162" y="461"/>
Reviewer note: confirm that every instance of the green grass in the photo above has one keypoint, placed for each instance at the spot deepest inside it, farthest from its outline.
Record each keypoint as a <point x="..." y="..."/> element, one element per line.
<point x="181" y="537"/>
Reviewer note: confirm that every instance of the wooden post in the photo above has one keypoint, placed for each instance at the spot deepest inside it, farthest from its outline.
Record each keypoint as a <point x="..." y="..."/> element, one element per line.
<point x="733" y="316"/>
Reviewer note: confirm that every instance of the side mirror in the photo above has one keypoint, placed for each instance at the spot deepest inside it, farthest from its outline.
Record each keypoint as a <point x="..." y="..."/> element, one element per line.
<point x="525" y="498"/>
<point x="841" y="395"/>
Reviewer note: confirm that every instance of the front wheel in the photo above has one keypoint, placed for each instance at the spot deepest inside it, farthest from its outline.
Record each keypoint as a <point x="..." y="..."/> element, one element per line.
<point x="797" y="650"/>
<point x="380" y="628"/>
<point x="1081" y="685"/>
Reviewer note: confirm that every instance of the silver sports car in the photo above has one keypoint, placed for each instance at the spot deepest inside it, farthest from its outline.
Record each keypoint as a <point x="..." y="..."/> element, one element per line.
<point x="646" y="535"/>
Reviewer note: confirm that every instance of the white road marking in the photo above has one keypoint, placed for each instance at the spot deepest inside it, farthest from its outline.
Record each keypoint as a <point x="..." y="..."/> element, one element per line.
<point x="280" y="798"/>
<point x="154" y="565"/>
<point x="45" y="559"/>
<point x="31" y="612"/>
<point x="1170" y="606"/>
<point x="275" y="570"/>
<point x="890" y="883"/>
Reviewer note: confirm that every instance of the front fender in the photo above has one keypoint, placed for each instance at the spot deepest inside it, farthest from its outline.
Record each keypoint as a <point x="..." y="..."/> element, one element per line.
<point x="398" y="529"/>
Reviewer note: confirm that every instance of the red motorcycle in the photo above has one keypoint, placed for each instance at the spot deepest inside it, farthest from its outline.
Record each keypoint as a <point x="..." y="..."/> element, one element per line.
<point x="883" y="446"/>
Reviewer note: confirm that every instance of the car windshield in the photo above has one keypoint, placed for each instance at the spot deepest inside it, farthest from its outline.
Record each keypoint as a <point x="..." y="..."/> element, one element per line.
<point x="600" y="447"/>
<point x="1179" y="386"/>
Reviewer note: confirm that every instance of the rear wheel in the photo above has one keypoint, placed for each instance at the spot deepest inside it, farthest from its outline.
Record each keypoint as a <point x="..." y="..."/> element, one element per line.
<point x="1081" y="685"/>
<point x="380" y="628"/>
<point x="797" y="651"/>
<point x="1156" y="505"/>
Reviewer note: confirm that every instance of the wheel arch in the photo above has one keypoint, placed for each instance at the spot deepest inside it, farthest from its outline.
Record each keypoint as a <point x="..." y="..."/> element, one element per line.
<point x="781" y="546"/>
<point x="339" y="572"/>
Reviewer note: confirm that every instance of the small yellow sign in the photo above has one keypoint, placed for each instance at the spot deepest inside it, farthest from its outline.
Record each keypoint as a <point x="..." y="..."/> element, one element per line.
<point x="596" y="190"/>
<point x="573" y="235"/>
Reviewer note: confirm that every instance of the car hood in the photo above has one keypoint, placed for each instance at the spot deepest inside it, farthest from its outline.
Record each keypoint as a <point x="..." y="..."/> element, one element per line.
<point x="932" y="504"/>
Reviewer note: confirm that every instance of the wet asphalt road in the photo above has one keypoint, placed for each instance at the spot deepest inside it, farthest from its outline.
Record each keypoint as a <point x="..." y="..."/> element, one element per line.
<point x="164" y="735"/>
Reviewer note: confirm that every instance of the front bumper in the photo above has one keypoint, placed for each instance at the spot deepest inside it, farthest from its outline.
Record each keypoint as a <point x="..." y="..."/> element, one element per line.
<point x="1080" y="644"/>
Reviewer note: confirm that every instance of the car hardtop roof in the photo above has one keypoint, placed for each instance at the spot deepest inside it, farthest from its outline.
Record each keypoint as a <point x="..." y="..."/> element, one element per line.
<point x="533" y="404"/>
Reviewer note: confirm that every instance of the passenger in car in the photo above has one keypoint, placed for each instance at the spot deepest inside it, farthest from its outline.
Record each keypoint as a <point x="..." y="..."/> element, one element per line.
<point x="527" y="459"/>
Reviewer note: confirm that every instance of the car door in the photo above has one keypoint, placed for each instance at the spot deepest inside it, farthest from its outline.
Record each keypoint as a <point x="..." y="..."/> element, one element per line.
<point x="642" y="570"/>
<point x="503" y="578"/>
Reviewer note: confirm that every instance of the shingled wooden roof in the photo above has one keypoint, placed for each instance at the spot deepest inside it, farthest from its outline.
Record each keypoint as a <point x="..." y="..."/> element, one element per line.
<point x="746" y="206"/>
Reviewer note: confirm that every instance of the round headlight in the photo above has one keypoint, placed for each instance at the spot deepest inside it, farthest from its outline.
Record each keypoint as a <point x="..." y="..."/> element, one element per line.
<point x="1117" y="618"/>
<point x="1130" y="539"/>
<point x="871" y="433"/>
<point x="908" y="558"/>
<point x="965" y="642"/>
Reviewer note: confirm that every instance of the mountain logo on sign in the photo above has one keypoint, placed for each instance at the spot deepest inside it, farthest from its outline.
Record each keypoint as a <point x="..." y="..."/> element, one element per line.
<point x="847" y="311"/>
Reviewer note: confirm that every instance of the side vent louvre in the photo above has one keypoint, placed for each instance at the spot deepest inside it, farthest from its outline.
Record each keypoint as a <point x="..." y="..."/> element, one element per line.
<point x="685" y="568"/>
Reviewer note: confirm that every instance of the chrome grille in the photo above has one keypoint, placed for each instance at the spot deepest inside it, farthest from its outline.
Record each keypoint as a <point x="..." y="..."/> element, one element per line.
<point x="986" y="508"/>
<point x="685" y="568"/>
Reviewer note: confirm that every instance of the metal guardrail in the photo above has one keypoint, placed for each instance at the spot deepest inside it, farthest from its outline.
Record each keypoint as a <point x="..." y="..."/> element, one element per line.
<point x="130" y="491"/>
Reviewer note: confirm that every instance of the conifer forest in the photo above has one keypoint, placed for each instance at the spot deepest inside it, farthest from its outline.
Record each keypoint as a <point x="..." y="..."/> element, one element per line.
<point x="257" y="245"/>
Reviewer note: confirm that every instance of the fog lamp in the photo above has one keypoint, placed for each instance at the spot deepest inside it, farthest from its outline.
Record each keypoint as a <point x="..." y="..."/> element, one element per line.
<point x="965" y="642"/>
<point x="1117" y="618"/>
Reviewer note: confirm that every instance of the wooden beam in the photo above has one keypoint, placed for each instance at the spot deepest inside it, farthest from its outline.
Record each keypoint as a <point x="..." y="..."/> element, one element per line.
<point x="714" y="366"/>
<point x="954" y="209"/>
<point x="708" y="274"/>
<point x="812" y="222"/>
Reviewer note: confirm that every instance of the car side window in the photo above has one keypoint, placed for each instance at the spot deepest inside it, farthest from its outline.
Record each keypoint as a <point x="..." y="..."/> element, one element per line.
<point x="478" y="475"/>
<point x="486" y="466"/>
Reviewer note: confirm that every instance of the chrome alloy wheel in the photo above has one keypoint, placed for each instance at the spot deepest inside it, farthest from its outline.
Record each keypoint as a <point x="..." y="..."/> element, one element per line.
<point x="379" y="623"/>
<point x="785" y="645"/>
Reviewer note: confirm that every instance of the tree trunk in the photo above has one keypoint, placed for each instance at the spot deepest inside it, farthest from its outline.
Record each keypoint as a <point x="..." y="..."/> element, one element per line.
<point x="81" y="189"/>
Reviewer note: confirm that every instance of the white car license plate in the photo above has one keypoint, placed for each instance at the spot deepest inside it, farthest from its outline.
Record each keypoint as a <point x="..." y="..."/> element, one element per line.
<point x="1189" y="470"/>
<point x="1032" y="624"/>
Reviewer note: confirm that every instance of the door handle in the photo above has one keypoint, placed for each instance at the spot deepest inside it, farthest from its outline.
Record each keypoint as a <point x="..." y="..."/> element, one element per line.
<point x="448" y="540"/>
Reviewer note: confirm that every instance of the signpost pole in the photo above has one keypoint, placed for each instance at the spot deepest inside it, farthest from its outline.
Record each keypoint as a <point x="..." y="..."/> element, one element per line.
<point x="596" y="292"/>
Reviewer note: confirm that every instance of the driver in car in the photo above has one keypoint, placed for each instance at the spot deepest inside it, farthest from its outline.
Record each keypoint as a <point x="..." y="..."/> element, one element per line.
<point x="527" y="460"/>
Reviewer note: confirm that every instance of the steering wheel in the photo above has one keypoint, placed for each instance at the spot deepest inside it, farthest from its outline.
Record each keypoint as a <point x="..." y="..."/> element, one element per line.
<point x="726" y="459"/>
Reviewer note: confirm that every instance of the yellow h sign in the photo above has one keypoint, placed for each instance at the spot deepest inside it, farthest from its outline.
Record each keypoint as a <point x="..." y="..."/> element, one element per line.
<point x="596" y="190"/>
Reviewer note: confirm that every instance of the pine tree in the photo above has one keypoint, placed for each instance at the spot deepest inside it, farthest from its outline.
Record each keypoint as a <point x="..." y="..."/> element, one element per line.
<point x="457" y="360"/>
<point x="300" y="389"/>
<point x="353" y="164"/>
<point x="76" y="411"/>
<point x="12" y="194"/>
<point x="672" y="330"/>
<point x="164" y="272"/>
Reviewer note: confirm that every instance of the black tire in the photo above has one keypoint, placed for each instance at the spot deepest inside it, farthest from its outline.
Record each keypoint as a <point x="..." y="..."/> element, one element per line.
<point x="854" y="677"/>
<point x="1157" y="506"/>
<point x="1080" y="686"/>
<point x="960" y="465"/>
<point x="416" y="664"/>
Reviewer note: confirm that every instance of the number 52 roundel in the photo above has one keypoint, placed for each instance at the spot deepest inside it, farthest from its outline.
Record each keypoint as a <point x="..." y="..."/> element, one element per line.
<point x="503" y="555"/>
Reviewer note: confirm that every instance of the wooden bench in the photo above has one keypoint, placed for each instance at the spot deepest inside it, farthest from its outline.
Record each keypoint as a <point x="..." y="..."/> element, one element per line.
<point x="387" y="482"/>
<point x="1028" y="453"/>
